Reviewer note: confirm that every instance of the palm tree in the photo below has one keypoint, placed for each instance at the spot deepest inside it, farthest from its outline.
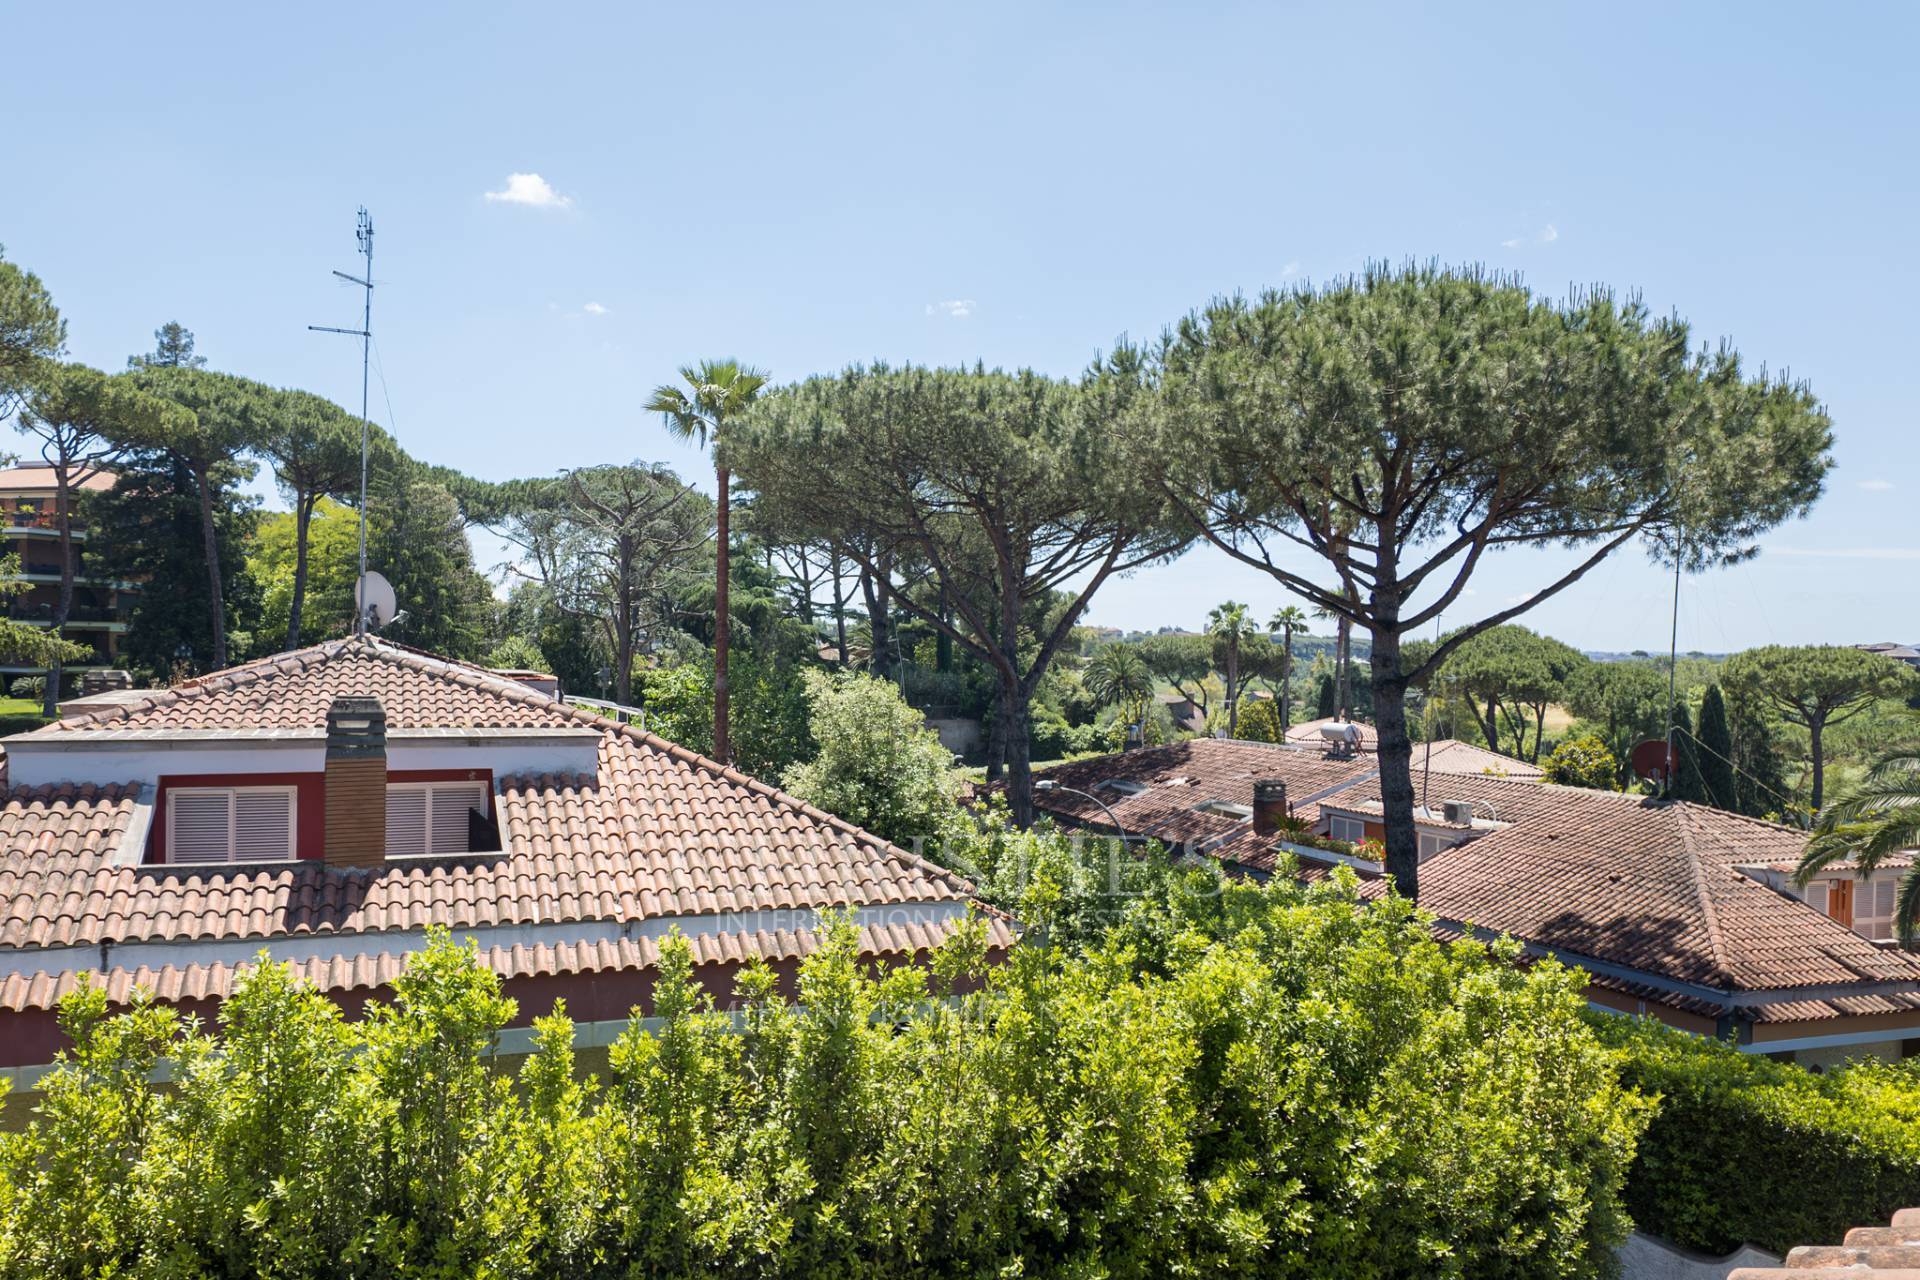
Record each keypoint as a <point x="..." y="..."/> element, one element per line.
<point x="1289" y="620"/>
<point x="1118" y="676"/>
<point x="1231" y="623"/>
<point x="717" y="392"/>
<point x="1877" y="819"/>
<point x="1342" y="661"/>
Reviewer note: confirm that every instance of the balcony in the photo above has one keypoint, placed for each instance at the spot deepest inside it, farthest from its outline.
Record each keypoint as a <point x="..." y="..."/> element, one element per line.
<point x="86" y="617"/>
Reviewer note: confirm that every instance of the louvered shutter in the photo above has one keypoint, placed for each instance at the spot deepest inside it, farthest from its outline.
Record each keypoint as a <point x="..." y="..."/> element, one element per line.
<point x="406" y="821"/>
<point x="450" y="806"/>
<point x="202" y="826"/>
<point x="262" y="826"/>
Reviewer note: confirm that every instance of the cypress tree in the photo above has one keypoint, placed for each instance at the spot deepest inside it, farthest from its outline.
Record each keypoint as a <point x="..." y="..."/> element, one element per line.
<point x="1326" y="706"/>
<point x="1716" y="750"/>
<point x="1687" y="782"/>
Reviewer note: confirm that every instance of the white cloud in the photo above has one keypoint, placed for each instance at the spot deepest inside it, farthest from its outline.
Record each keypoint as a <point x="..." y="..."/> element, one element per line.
<point x="594" y="309"/>
<point x="530" y="189"/>
<point x="953" y="308"/>
<point x="1545" y="235"/>
<point x="1289" y="271"/>
<point x="1849" y="553"/>
<point x="1876" y="486"/>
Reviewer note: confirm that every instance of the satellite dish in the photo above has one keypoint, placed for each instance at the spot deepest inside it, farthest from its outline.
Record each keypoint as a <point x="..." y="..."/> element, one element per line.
<point x="377" y="606"/>
<point x="1652" y="760"/>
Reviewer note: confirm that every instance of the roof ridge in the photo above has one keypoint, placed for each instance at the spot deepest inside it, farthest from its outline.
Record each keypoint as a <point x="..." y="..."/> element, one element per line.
<point x="1709" y="915"/>
<point x="226" y="678"/>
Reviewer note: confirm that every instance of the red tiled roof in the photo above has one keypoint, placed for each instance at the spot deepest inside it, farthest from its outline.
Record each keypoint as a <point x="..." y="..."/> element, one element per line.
<point x="371" y="969"/>
<point x="1450" y="755"/>
<point x="29" y="478"/>
<point x="656" y="832"/>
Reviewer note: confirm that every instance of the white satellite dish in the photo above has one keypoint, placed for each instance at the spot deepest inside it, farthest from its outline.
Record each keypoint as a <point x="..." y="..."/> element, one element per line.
<point x="378" y="605"/>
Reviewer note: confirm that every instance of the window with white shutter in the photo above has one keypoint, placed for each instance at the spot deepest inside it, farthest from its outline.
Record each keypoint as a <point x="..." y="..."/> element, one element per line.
<point x="431" y="817"/>
<point x="230" y="824"/>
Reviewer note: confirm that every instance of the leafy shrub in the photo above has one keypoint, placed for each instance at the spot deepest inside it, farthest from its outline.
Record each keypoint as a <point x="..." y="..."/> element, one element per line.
<point x="1584" y="761"/>
<point x="28" y="686"/>
<point x="1259" y="720"/>
<point x="1302" y="1085"/>
<point x="22" y="723"/>
<point x="1747" y="1149"/>
<point x="767" y="711"/>
<point x="878" y="765"/>
<point x="517" y="653"/>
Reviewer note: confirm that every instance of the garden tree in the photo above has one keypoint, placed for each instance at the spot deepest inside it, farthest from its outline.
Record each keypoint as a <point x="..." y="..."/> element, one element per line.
<point x="1818" y="687"/>
<point x="23" y="645"/>
<point x="418" y="541"/>
<point x="332" y="555"/>
<point x="1231" y="624"/>
<point x="1687" y="782"/>
<point x="1117" y="676"/>
<point x="225" y="420"/>
<point x="1714" y="746"/>
<point x="1760" y="784"/>
<point x="78" y="416"/>
<point x="718" y="392"/>
<point x="1873" y="820"/>
<point x="1401" y="424"/>
<point x="611" y="544"/>
<point x="1623" y="702"/>
<point x="758" y="618"/>
<point x="1509" y="675"/>
<point x="1342" y="662"/>
<point x="769" y="709"/>
<point x="31" y="331"/>
<point x="1289" y="620"/>
<point x="1583" y="761"/>
<point x="172" y="349"/>
<point x="314" y="446"/>
<point x="568" y="646"/>
<point x="517" y="653"/>
<point x="1001" y="489"/>
<point x="877" y="765"/>
<point x="1261" y="722"/>
<point x="1183" y="661"/>
<point x="1327" y="700"/>
<point x="148" y="529"/>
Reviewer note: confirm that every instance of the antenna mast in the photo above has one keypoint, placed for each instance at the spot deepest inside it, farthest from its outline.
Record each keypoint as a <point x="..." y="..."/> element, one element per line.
<point x="363" y="233"/>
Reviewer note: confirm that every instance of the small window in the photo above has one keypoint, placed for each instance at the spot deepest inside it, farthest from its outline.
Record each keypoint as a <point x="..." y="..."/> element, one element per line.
<point x="1816" y="894"/>
<point x="1125" y="786"/>
<point x="1341" y="827"/>
<point x="1226" y="809"/>
<point x="1432" y="842"/>
<point x="431" y="817"/>
<point x="230" y="824"/>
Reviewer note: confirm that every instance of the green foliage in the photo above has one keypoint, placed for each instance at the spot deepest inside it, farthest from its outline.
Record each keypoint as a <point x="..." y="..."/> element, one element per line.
<point x="1818" y="687"/>
<point x="878" y="765"/>
<point x="1712" y="748"/>
<point x="415" y="536"/>
<point x="1260" y="721"/>
<point x="1325" y="702"/>
<point x="333" y="565"/>
<point x="1622" y="703"/>
<point x="1507" y="676"/>
<point x="1746" y="1149"/>
<point x="1262" y="1081"/>
<point x="23" y="723"/>
<point x="1876" y="819"/>
<point x="769" y="711"/>
<point x="1583" y="762"/>
<point x="517" y="653"/>
<point x="31" y="331"/>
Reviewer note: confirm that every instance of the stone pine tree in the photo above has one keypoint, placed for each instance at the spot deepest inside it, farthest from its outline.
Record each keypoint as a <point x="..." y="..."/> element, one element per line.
<point x="1818" y="687"/>
<point x="1397" y="427"/>
<point x="79" y="416"/>
<point x="31" y="332"/>
<point x="1000" y="493"/>
<point x="716" y="394"/>
<point x="314" y="446"/>
<point x="1716" y="750"/>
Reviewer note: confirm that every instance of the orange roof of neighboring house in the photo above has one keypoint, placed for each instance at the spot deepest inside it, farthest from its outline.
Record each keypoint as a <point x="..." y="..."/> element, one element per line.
<point x="1650" y="889"/>
<point x="1307" y="733"/>
<point x="656" y="833"/>
<point x="1450" y="755"/>
<point x="33" y="477"/>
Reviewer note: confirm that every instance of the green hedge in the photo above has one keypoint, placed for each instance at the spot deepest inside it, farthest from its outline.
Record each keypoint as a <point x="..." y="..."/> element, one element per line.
<point x="10" y="725"/>
<point x="1745" y="1149"/>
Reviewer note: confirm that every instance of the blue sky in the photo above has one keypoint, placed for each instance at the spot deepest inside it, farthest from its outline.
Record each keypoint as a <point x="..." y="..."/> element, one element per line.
<point x="807" y="186"/>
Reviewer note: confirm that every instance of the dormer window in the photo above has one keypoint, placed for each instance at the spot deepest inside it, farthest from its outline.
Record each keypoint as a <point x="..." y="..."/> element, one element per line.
<point x="431" y="817"/>
<point x="230" y="824"/>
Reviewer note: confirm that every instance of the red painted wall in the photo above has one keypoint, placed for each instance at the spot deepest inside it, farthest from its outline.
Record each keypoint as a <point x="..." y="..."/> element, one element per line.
<point x="310" y="806"/>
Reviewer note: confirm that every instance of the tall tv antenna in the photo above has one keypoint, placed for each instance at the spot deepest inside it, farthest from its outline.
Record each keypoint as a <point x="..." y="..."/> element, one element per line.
<point x="363" y="233"/>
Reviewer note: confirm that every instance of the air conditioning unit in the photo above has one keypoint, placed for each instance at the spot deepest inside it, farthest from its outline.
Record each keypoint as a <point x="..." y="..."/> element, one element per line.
<point x="1458" y="813"/>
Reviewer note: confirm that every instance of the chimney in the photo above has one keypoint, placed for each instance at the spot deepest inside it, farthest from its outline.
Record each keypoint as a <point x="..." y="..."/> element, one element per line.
<point x="356" y="783"/>
<point x="1269" y="805"/>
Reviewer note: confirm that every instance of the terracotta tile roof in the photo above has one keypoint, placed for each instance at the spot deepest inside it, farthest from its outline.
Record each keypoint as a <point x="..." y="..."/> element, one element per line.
<point x="371" y="969"/>
<point x="293" y="691"/>
<point x="1177" y="779"/>
<point x="31" y="477"/>
<point x="1892" y="1252"/>
<point x="656" y="832"/>
<point x="1646" y="884"/>
<point x="1450" y="755"/>
<point x="1307" y="733"/>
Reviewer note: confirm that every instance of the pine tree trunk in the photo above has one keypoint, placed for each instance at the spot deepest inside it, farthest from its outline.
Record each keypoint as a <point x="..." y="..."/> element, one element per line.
<point x="1815" y="729"/>
<point x="302" y="522"/>
<point x="839" y="613"/>
<point x="1286" y="683"/>
<point x="1343" y="699"/>
<point x="216" y="607"/>
<point x="1394" y="754"/>
<point x="722" y="623"/>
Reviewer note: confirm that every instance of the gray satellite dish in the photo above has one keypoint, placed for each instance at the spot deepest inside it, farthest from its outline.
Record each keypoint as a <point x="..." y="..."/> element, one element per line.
<point x="377" y="606"/>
